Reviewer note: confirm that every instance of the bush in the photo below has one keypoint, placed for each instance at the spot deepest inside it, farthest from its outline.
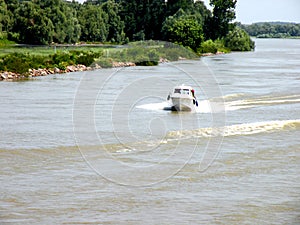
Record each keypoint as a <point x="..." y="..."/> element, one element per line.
<point x="59" y="57"/>
<point x="38" y="61"/>
<point x="208" y="47"/>
<point x="239" y="40"/>
<point x="104" y="63"/>
<point x="15" y="62"/>
<point x="4" y="39"/>
<point x="62" y="65"/>
<point x="85" y="57"/>
<point x="22" y="62"/>
<point x="173" y="52"/>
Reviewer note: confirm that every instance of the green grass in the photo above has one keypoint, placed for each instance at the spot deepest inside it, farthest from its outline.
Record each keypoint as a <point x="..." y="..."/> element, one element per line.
<point x="47" y="50"/>
<point x="19" y="59"/>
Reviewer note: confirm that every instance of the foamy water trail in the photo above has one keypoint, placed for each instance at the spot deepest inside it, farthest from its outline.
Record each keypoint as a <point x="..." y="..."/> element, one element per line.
<point x="155" y="106"/>
<point x="238" y="129"/>
<point x="244" y="103"/>
<point x="210" y="132"/>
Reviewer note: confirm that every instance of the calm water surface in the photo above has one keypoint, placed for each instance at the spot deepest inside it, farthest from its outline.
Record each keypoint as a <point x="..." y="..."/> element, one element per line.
<point x="97" y="148"/>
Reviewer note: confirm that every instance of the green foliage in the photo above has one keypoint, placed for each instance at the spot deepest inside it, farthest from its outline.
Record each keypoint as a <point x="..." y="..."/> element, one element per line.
<point x="22" y="62"/>
<point x="174" y="5"/>
<point x="174" y="52"/>
<point x="104" y="62"/>
<point x="64" y="56"/>
<point x="18" y="63"/>
<point x="146" y="57"/>
<point x="5" y="17"/>
<point x="4" y="39"/>
<point x="272" y="29"/>
<point x="32" y="25"/>
<point x="150" y="52"/>
<point x="93" y="21"/>
<point x="220" y="44"/>
<point x="208" y="47"/>
<point x="75" y="57"/>
<point x="185" y="22"/>
<point x="218" y="25"/>
<point x="183" y="30"/>
<point x="115" y="25"/>
<point x="239" y="40"/>
<point x="65" y="23"/>
<point x="143" y="19"/>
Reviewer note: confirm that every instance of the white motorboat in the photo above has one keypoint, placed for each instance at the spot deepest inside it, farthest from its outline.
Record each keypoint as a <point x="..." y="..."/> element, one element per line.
<point x="183" y="98"/>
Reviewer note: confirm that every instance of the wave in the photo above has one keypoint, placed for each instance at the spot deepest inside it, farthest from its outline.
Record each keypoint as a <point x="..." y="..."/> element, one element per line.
<point x="237" y="103"/>
<point x="238" y="129"/>
<point x="171" y="137"/>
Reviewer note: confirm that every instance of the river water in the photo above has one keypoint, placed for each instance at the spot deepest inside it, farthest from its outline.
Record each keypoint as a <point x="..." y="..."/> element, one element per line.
<point x="97" y="147"/>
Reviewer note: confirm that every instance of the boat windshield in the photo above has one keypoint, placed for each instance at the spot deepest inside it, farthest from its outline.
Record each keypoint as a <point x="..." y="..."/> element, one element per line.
<point x="186" y="91"/>
<point x="177" y="90"/>
<point x="182" y="91"/>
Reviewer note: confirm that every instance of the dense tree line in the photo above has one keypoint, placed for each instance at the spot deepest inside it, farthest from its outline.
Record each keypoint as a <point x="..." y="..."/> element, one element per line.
<point x="185" y="22"/>
<point x="272" y="29"/>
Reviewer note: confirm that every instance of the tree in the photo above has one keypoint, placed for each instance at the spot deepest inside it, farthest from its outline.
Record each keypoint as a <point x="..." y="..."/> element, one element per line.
<point x="32" y="24"/>
<point x="218" y="25"/>
<point x="64" y="19"/>
<point x="115" y="25"/>
<point x="174" y="5"/>
<point x="154" y="18"/>
<point x="183" y="30"/>
<point x="239" y="40"/>
<point x="272" y="29"/>
<point x="5" y="17"/>
<point x="199" y="12"/>
<point x="143" y="18"/>
<point x="94" y="23"/>
<point x="130" y="14"/>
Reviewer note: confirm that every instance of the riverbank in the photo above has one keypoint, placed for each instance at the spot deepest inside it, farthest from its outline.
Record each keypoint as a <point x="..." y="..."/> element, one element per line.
<point x="34" y="62"/>
<point x="32" y="73"/>
<point x="11" y="76"/>
<point x="28" y="62"/>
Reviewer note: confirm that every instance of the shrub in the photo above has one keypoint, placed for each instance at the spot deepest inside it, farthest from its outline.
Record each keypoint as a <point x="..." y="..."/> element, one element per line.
<point x="62" y="65"/>
<point x="147" y="63"/>
<point x="38" y="61"/>
<point x="15" y="62"/>
<point x="87" y="58"/>
<point x="4" y="39"/>
<point x="59" y="57"/>
<point x="172" y="52"/>
<point x="239" y="40"/>
<point x="104" y="62"/>
<point x="208" y="47"/>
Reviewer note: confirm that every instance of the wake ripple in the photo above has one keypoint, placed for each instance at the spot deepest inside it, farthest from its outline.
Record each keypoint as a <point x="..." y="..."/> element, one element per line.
<point x="238" y="129"/>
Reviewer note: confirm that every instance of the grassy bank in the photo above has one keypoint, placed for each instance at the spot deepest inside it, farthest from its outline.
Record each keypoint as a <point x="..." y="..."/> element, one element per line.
<point x="23" y="59"/>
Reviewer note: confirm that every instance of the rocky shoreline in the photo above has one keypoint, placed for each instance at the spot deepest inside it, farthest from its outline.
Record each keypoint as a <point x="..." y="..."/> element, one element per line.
<point x="212" y="54"/>
<point x="11" y="76"/>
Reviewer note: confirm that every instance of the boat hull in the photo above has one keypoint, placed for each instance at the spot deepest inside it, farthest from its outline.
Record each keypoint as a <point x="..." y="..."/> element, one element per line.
<point x="182" y="104"/>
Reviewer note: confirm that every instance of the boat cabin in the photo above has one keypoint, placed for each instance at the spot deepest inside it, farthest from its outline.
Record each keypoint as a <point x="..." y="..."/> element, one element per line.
<point x="184" y="90"/>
